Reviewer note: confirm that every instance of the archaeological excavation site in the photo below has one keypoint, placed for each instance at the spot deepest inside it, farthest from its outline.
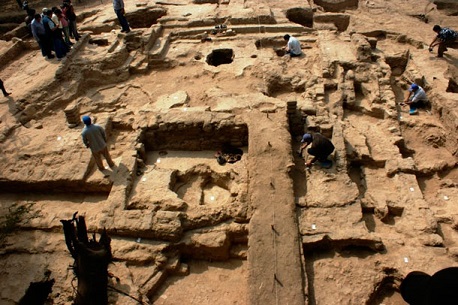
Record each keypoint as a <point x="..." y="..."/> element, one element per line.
<point x="209" y="201"/>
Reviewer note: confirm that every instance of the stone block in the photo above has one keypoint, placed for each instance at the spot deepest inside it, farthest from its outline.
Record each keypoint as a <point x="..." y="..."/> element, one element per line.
<point x="210" y="246"/>
<point x="363" y="47"/>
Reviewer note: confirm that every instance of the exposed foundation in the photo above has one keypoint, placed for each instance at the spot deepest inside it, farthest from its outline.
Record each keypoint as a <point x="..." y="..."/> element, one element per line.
<point x="194" y="81"/>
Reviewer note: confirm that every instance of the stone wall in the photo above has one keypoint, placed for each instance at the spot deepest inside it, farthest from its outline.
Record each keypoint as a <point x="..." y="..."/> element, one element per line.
<point x="197" y="135"/>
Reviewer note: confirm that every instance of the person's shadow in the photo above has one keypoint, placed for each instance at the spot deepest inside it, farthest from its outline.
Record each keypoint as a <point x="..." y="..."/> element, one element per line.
<point x="12" y="107"/>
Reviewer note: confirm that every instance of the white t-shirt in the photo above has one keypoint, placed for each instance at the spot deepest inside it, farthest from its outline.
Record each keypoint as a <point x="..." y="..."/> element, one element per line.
<point x="56" y="21"/>
<point x="294" y="46"/>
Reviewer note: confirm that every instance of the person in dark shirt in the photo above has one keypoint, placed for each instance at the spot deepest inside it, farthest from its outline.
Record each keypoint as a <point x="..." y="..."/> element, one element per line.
<point x="53" y="31"/>
<point x="320" y="150"/>
<point x="69" y="13"/>
<point x="445" y="38"/>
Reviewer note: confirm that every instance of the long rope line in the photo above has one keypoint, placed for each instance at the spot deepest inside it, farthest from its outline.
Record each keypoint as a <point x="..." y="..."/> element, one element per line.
<point x="274" y="232"/>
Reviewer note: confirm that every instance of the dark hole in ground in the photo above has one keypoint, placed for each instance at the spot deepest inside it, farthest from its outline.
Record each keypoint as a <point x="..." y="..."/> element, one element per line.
<point x="302" y="16"/>
<point x="393" y="214"/>
<point x="361" y="251"/>
<point x="99" y="41"/>
<point x="220" y="57"/>
<point x="404" y="150"/>
<point x="145" y="18"/>
<point x="355" y="173"/>
<point x="452" y="86"/>
<point x="280" y="52"/>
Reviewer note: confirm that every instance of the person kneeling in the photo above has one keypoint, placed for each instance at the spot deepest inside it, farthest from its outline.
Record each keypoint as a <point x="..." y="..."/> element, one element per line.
<point x="320" y="150"/>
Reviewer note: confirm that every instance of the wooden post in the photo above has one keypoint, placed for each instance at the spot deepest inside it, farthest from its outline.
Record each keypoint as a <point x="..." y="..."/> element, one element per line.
<point x="91" y="261"/>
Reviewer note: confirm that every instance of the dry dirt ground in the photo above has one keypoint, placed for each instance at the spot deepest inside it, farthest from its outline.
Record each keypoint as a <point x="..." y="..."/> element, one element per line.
<point x="263" y="230"/>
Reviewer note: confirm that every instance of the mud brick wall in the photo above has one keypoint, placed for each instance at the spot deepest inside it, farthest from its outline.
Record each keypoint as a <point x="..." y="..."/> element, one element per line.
<point x="195" y="136"/>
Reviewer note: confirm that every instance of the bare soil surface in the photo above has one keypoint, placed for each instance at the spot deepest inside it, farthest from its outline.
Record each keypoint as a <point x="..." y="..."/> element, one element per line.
<point x="174" y="91"/>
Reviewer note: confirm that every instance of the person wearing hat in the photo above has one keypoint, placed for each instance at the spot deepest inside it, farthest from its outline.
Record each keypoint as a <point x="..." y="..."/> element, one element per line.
<point x="417" y="98"/>
<point x="321" y="148"/>
<point x="94" y="137"/>
<point x="445" y="38"/>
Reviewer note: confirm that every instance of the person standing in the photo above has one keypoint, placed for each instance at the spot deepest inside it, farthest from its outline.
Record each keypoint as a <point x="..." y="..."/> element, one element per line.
<point x="416" y="99"/>
<point x="57" y="18"/>
<point x="293" y="46"/>
<point x="2" y="87"/>
<point x="445" y="38"/>
<point x="65" y="26"/>
<point x="39" y="33"/>
<point x="118" y="6"/>
<point x="52" y="30"/>
<point x="320" y="150"/>
<point x="69" y="13"/>
<point x="94" y="137"/>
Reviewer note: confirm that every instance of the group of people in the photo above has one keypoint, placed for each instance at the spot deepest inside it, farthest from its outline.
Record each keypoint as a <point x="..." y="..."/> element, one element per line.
<point x="445" y="38"/>
<point x="321" y="147"/>
<point x="54" y="28"/>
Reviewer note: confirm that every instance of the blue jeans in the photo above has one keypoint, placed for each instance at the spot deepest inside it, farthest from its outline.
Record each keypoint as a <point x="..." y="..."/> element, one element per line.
<point x="122" y="20"/>
<point x="60" y="47"/>
<point x="45" y="44"/>
<point x="292" y="54"/>
<point x="418" y="104"/>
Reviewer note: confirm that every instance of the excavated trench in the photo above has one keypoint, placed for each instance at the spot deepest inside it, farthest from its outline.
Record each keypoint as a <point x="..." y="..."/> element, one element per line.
<point x="179" y="174"/>
<point x="202" y="188"/>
